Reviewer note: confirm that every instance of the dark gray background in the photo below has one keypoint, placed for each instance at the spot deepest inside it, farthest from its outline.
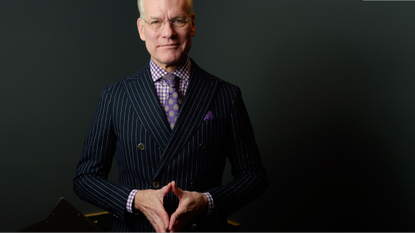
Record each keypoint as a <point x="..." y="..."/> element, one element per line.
<point x="329" y="86"/>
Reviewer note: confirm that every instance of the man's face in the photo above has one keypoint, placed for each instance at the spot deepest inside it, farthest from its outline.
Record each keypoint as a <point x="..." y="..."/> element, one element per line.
<point x="168" y="46"/>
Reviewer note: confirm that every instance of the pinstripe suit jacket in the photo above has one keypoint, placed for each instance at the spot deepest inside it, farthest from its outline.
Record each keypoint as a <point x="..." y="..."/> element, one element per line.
<point x="193" y="153"/>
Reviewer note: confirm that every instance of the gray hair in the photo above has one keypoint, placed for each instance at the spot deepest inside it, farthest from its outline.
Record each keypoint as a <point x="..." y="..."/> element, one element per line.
<point x="141" y="7"/>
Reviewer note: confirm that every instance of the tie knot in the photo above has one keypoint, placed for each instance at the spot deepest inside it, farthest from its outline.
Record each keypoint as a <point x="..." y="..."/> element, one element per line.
<point x="172" y="80"/>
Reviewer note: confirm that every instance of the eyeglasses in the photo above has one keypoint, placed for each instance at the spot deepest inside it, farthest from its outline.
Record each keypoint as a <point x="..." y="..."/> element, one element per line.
<point x="178" y="22"/>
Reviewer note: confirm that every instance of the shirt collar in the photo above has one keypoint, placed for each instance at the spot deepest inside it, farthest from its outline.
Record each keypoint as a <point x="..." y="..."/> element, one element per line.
<point x="183" y="71"/>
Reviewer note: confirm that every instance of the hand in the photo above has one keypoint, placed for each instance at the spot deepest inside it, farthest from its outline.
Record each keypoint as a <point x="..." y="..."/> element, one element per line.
<point x="191" y="205"/>
<point x="150" y="203"/>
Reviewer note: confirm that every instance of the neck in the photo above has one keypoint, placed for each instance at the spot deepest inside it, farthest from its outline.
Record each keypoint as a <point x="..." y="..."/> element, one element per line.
<point x="169" y="69"/>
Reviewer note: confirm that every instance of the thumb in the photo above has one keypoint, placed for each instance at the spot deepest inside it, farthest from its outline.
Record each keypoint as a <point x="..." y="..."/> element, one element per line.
<point x="166" y="189"/>
<point x="176" y="190"/>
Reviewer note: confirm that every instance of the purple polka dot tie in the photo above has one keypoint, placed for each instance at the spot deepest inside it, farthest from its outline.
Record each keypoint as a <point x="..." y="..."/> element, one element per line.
<point x="172" y="105"/>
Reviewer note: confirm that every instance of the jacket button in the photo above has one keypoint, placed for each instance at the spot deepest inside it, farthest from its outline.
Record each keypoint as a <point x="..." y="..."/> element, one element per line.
<point x="202" y="146"/>
<point x="141" y="146"/>
<point x="156" y="184"/>
<point x="193" y="184"/>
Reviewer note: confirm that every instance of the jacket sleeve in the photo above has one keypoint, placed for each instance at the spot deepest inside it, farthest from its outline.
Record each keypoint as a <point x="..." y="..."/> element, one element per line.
<point x="91" y="181"/>
<point x="250" y="178"/>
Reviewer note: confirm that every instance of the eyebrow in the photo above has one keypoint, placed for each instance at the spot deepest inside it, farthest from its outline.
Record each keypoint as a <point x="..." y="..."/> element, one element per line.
<point x="159" y="18"/>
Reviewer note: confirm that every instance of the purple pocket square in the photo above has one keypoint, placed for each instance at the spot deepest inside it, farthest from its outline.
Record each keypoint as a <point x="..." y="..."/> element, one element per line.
<point x="209" y="116"/>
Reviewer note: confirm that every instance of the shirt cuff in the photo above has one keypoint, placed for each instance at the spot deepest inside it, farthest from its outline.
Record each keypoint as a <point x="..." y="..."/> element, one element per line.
<point x="211" y="204"/>
<point x="130" y="200"/>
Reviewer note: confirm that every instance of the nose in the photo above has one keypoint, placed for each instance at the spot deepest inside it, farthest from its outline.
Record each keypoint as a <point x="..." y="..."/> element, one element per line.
<point x="167" y="30"/>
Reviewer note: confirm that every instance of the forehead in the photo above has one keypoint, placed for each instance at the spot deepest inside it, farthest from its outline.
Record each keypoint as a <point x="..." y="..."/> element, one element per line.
<point x="165" y="8"/>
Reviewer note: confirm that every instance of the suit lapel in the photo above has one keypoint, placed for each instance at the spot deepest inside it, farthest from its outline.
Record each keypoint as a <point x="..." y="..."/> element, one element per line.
<point x="199" y="95"/>
<point x="140" y="90"/>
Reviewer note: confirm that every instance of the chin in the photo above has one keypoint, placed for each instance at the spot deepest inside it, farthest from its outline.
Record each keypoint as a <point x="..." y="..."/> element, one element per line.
<point x="172" y="60"/>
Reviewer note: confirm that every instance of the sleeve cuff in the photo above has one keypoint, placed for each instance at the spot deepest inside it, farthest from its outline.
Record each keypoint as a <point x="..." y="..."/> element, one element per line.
<point x="211" y="204"/>
<point x="130" y="201"/>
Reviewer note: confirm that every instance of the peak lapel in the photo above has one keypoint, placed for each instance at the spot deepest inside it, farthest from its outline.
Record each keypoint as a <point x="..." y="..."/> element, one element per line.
<point x="140" y="90"/>
<point x="199" y="95"/>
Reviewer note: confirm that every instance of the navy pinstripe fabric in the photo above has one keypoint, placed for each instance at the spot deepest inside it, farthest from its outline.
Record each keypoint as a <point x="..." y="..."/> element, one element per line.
<point x="128" y="114"/>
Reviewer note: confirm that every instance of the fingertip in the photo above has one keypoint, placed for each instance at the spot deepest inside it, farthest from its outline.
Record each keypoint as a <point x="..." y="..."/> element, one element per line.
<point x="177" y="190"/>
<point x="171" y="228"/>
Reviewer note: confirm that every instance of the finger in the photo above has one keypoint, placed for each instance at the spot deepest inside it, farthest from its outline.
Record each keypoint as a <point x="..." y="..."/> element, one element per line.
<point x="156" y="218"/>
<point x="176" y="190"/>
<point x="166" y="189"/>
<point x="159" y="219"/>
<point x="161" y="212"/>
<point x="173" y="219"/>
<point x="165" y="219"/>
<point x="150" y="203"/>
<point x="175" y="222"/>
<point x="160" y="226"/>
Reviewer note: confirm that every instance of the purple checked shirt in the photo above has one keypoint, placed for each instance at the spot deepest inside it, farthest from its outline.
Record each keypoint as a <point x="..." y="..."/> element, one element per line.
<point x="162" y="89"/>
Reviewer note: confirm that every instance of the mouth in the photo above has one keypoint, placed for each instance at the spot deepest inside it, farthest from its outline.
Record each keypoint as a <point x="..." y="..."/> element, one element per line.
<point x="167" y="46"/>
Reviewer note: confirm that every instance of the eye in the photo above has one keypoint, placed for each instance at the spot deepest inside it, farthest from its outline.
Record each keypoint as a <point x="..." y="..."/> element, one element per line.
<point x="155" y="22"/>
<point x="179" y="20"/>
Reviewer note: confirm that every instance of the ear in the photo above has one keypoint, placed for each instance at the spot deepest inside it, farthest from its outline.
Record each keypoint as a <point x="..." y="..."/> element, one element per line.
<point x="193" y="25"/>
<point x="140" y="27"/>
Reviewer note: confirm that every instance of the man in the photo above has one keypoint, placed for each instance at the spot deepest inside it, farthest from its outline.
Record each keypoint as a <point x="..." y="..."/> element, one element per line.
<point x="170" y="136"/>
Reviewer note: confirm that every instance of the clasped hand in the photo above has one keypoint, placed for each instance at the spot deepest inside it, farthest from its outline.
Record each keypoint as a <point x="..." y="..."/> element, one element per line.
<point x="150" y="203"/>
